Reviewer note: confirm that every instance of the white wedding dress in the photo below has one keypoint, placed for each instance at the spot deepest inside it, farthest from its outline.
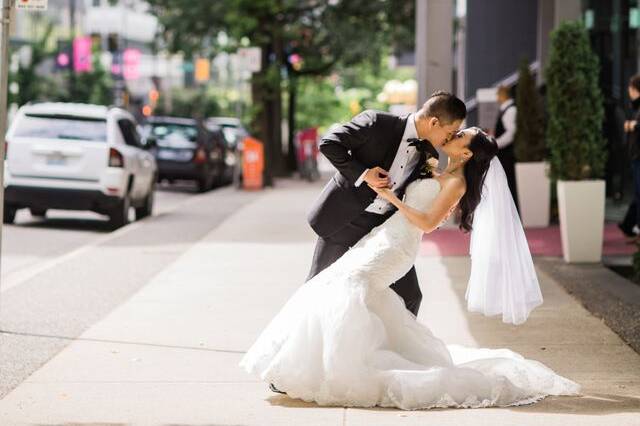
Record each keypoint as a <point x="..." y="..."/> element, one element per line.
<point x="345" y="338"/>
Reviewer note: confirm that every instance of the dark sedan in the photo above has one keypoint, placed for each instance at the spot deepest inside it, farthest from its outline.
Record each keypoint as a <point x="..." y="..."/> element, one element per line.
<point x="187" y="150"/>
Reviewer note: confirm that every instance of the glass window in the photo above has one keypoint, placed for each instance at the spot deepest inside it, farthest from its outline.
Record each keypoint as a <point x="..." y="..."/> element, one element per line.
<point x="129" y="132"/>
<point x="62" y="127"/>
<point x="166" y="131"/>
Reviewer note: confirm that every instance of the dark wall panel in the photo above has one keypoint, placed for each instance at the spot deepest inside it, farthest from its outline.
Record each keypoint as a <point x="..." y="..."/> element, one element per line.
<point x="499" y="34"/>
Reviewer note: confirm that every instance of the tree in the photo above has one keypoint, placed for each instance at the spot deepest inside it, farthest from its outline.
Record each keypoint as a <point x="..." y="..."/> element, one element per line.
<point x="529" y="138"/>
<point x="95" y="86"/>
<point x="575" y="106"/>
<point x="320" y="33"/>
<point x="31" y="86"/>
<point x="190" y="103"/>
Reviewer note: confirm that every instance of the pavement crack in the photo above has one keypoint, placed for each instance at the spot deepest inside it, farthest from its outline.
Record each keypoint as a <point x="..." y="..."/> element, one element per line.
<point x="119" y="342"/>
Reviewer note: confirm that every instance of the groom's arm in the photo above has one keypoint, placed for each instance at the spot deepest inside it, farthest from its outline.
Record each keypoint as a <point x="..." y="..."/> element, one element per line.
<point x="338" y="144"/>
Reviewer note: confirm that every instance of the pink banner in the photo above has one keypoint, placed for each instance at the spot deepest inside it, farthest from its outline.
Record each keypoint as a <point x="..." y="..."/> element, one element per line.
<point x="131" y="64"/>
<point x="82" y="54"/>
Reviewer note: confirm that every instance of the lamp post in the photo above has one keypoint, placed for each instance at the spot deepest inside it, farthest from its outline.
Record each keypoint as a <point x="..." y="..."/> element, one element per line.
<point x="7" y="6"/>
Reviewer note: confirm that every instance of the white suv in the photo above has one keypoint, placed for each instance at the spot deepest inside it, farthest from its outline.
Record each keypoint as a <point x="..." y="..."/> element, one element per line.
<point x="77" y="157"/>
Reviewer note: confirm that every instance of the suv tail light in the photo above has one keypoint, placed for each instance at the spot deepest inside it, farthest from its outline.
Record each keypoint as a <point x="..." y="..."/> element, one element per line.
<point x="200" y="156"/>
<point x="115" y="158"/>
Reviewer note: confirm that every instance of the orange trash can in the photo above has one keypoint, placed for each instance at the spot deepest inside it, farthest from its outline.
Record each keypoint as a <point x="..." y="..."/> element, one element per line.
<point x="252" y="163"/>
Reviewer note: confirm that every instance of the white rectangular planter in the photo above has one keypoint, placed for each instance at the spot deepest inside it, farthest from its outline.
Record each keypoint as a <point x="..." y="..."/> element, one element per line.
<point x="534" y="194"/>
<point x="581" y="208"/>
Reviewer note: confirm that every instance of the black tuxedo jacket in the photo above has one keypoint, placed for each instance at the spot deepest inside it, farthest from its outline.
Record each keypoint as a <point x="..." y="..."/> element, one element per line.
<point x="370" y="139"/>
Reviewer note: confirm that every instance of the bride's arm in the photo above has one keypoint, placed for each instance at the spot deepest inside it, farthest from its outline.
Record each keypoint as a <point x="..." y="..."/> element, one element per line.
<point x="446" y="200"/>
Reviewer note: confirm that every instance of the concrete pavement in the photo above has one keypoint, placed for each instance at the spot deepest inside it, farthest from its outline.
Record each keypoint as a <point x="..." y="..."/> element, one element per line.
<point x="168" y="354"/>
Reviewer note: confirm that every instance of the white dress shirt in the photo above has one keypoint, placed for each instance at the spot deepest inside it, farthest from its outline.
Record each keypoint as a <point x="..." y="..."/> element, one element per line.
<point x="509" y="123"/>
<point x="406" y="159"/>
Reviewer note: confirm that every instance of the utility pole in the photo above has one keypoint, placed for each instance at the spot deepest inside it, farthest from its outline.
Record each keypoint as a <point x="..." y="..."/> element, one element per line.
<point x="7" y="6"/>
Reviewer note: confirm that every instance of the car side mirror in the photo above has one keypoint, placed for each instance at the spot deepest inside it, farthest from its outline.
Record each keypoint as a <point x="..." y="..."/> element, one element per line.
<point x="151" y="142"/>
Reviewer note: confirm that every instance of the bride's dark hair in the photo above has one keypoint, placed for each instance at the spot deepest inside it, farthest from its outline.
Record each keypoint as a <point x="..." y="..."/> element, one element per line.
<point x="484" y="148"/>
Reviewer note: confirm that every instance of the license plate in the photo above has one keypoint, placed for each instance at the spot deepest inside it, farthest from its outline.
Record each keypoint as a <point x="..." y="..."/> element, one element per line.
<point x="166" y="154"/>
<point x="56" y="160"/>
<point x="176" y="155"/>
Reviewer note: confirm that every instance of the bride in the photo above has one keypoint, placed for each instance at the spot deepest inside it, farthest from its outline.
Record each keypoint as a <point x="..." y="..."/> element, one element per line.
<point x="345" y="338"/>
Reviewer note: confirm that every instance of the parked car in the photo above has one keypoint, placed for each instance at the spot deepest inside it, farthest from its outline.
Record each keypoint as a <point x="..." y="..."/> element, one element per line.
<point x="185" y="149"/>
<point x="77" y="157"/>
<point x="232" y="128"/>
<point x="234" y="133"/>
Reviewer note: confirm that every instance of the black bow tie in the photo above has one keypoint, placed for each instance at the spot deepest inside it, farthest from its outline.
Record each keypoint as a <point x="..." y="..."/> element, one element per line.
<point x="423" y="146"/>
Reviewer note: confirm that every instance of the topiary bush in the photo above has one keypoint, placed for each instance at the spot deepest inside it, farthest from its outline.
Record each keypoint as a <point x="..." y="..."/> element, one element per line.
<point x="575" y="106"/>
<point x="529" y="139"/>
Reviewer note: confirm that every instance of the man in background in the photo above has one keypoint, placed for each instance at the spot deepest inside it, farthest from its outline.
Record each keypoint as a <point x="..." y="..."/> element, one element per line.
<point x="505" y="133"/>
<point x="632" y="128"/>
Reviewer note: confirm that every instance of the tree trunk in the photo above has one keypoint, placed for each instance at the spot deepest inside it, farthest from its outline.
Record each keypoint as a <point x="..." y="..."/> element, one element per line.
<point x="279" y="164"/>
<point x="260" y="120"/>
<point x="292" y="163"/>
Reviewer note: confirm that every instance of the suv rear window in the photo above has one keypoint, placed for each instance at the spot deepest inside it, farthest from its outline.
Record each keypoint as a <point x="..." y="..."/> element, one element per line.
<point x="175" y="131"/>
<point x="62" y="127"/>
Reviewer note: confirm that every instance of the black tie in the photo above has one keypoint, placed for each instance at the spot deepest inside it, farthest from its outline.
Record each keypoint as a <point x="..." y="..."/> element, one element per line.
<point x="423" y="146"/>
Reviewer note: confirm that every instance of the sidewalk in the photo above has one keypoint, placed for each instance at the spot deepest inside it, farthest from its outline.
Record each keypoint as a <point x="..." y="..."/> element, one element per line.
<point x="169" y="354"/>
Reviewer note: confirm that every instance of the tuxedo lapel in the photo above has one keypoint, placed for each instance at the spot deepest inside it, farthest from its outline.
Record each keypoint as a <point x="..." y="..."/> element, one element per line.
<point x="396" y="138"/>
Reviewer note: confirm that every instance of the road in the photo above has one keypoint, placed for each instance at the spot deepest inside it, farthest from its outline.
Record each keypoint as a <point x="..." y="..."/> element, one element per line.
<point x="32" y="242"/>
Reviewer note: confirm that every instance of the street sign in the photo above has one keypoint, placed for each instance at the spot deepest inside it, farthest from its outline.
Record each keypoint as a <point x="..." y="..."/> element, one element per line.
<point x="250" y="58"/>
<point x="35" y="5"/>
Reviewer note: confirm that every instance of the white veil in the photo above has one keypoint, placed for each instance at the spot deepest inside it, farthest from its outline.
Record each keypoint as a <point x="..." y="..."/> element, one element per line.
<point x="503" y="279"/>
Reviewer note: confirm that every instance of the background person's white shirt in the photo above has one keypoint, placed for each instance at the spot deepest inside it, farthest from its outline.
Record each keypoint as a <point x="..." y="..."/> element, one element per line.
<point x="509" y="123"/>
<point x="406" y="159"/>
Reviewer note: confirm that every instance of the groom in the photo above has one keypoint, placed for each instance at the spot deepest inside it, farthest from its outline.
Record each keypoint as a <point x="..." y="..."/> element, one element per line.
<point x="381" y="150"/>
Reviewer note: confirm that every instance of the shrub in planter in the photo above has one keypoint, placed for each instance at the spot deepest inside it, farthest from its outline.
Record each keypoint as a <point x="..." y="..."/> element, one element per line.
<point x="529" y="140"/>
<point x="574" y="137"/>
<point x="531" y="176"/>
<point x="636" y="265"/>
<point x="575" y="106"/>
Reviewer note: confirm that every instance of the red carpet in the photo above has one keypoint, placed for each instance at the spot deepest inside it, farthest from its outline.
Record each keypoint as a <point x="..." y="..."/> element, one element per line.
<point x="542" y="241"/>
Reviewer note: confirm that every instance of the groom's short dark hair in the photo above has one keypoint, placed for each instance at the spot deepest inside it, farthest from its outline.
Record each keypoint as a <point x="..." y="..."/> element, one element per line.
<point x="445" y="106"/>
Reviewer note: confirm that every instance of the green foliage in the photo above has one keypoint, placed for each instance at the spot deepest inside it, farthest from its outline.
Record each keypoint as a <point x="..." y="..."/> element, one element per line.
<point x="529" y="139"/>
<point x="317" y="103"/>
<point x="636" y="264"/>
<point x="189" y="103"/>
<point x="90" y="87"/>
<point x="94" y="87"/>
<point x="32" y="86"/>
<point x="323" y="101"/>
<point x="575" y="106"/>
<point x="323" y="32"/>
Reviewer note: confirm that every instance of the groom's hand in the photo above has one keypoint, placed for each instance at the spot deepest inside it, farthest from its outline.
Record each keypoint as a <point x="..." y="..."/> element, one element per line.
<point x="377" y="177"/>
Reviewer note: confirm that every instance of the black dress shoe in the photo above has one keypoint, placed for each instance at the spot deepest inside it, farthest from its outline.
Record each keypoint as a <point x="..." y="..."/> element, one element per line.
<point x="272" y="388"/>
<point x="626" y="231"/>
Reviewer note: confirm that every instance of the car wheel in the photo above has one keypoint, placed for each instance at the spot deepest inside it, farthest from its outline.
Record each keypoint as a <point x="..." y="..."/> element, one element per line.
<point x="9" y="214"/>
<point x="35" y="212"/>
<point x="119" y="216"/>
<point x="147" y="208"/>
<point x="204" y="183"/>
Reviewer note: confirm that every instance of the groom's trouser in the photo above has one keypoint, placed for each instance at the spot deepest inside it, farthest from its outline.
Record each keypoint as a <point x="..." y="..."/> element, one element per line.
<point x="330" y="249"/>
